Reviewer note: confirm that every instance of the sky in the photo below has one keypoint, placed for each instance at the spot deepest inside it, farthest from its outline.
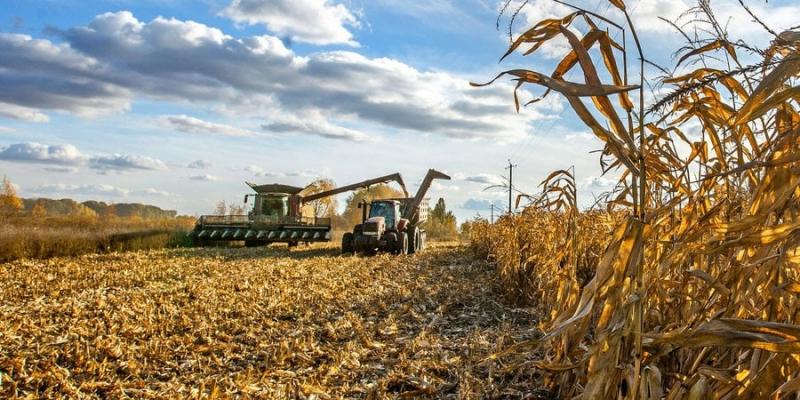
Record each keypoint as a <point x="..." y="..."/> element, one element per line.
<point x="177" y="103"/>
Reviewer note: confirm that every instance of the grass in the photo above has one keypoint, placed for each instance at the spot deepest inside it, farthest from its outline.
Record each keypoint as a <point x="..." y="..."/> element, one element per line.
<point x="29" y="237"/>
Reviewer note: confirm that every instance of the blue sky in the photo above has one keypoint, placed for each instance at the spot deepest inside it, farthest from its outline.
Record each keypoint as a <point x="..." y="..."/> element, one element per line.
<point x="177" y="103"/>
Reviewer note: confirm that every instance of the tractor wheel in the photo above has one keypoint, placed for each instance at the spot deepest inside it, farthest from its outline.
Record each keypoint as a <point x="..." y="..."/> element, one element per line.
<point x="413" y="240"/>
<point x="347" y="243"/>
<point x="401" y="244"/>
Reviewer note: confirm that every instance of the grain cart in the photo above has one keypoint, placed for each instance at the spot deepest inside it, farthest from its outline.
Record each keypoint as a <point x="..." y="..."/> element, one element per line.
<point x="392" y="225"/>
<point x="277" y="216"/>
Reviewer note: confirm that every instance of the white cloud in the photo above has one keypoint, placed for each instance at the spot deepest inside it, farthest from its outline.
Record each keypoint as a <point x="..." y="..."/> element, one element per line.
<point x="485" y="179"/>
<point x="313" y="123"/>
<point x="151" y="192"/>
<point x="204" y="177"/>
<point x="311" y="21"/>
<point x="200" y="164"/>
<point x="260" y="172"/>
<point x="14" y="111"/>
<point x="187" y="124"/>
<point x="32" y="152"/>
<point x="85" y="190"/>
<point x="5" y="129"/>
<point x="66" y="157"/>
<point x="254" y="169"/>
<point x="444" y="186"/>
<point x="125" y="162"/>
<point x="598" y="183"/>
<point x="63" y="169"/>
<point x="116" y="57"/>
<point x="728" y="12"/>
<point x="474" y="204"/>
<point x="580" y="136"/>
<point x="38" y="74"/>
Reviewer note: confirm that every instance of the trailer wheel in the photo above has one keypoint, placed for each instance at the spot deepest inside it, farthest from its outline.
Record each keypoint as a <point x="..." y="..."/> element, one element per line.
<point x="401" y="244"/>
<point x="347" y="243"/>
<point x="414" y="244"/>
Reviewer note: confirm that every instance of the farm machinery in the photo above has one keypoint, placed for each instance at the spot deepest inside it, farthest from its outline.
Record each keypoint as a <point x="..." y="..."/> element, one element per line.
<point x="392" y="225"/>
<point x="278" y="215"/>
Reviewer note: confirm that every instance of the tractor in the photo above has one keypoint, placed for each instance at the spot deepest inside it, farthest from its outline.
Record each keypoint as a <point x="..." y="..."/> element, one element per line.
<point x="392" y="225"/>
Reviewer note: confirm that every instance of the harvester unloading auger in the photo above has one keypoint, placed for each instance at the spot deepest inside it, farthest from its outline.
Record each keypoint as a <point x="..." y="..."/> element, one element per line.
<point x="392" y="224"/>
<point x="277" y="216"/>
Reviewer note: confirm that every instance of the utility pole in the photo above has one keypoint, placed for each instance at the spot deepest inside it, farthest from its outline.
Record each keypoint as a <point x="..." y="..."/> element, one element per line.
<point x="492" y="213"/>
<point x="510" y="169"/>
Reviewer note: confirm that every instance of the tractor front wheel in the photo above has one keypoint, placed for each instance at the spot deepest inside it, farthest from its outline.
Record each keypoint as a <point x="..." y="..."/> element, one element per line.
<point x="347" y="243"/>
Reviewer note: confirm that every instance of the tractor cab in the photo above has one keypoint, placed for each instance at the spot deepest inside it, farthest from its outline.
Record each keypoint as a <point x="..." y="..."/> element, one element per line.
<point x="388" y="209"/>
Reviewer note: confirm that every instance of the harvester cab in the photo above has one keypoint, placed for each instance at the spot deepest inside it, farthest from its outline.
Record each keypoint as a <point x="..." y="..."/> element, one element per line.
<point x="392" y="225"/>
<point x="274" y="205"/>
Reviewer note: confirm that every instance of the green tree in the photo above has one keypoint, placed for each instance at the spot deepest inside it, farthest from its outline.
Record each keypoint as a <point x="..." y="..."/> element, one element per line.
<point x="441" y="223"/>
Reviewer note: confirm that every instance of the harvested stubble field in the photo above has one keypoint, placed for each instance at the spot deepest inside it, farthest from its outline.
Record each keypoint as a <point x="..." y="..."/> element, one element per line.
<point x="224" y="323"/>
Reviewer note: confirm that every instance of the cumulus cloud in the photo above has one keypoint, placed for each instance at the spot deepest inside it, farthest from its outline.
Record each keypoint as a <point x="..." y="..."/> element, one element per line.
<point x="310" y="21"/>
<point x="125" y="162"/>
<point x="204" y="177"/>
<point x="38" y="74"/>
<point x="66" y="158"/>
<point x="101" y="66"/>
<point x="187" y="124"/>
<point x="200" y="164"/>
<point x="64" y="154"/>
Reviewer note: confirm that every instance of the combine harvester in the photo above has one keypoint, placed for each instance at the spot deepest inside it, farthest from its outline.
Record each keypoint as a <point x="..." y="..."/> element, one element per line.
<point x="392" y="225"/>
<point x="277" y="216"/>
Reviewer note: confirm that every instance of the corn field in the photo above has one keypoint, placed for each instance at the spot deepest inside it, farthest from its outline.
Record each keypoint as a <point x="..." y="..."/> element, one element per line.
<point x="685" y="284"/>
<point x="232" y="323"/>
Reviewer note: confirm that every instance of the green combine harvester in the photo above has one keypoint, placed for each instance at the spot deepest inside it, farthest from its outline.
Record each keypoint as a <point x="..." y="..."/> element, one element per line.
<point x="277" y="216"/>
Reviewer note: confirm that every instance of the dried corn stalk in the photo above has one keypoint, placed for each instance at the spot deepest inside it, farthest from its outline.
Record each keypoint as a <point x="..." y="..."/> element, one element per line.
<point x="696" y="292"/>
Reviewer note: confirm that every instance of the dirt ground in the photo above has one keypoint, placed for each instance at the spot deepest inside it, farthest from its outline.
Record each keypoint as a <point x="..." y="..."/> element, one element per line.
<point x="259" y="323"/>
